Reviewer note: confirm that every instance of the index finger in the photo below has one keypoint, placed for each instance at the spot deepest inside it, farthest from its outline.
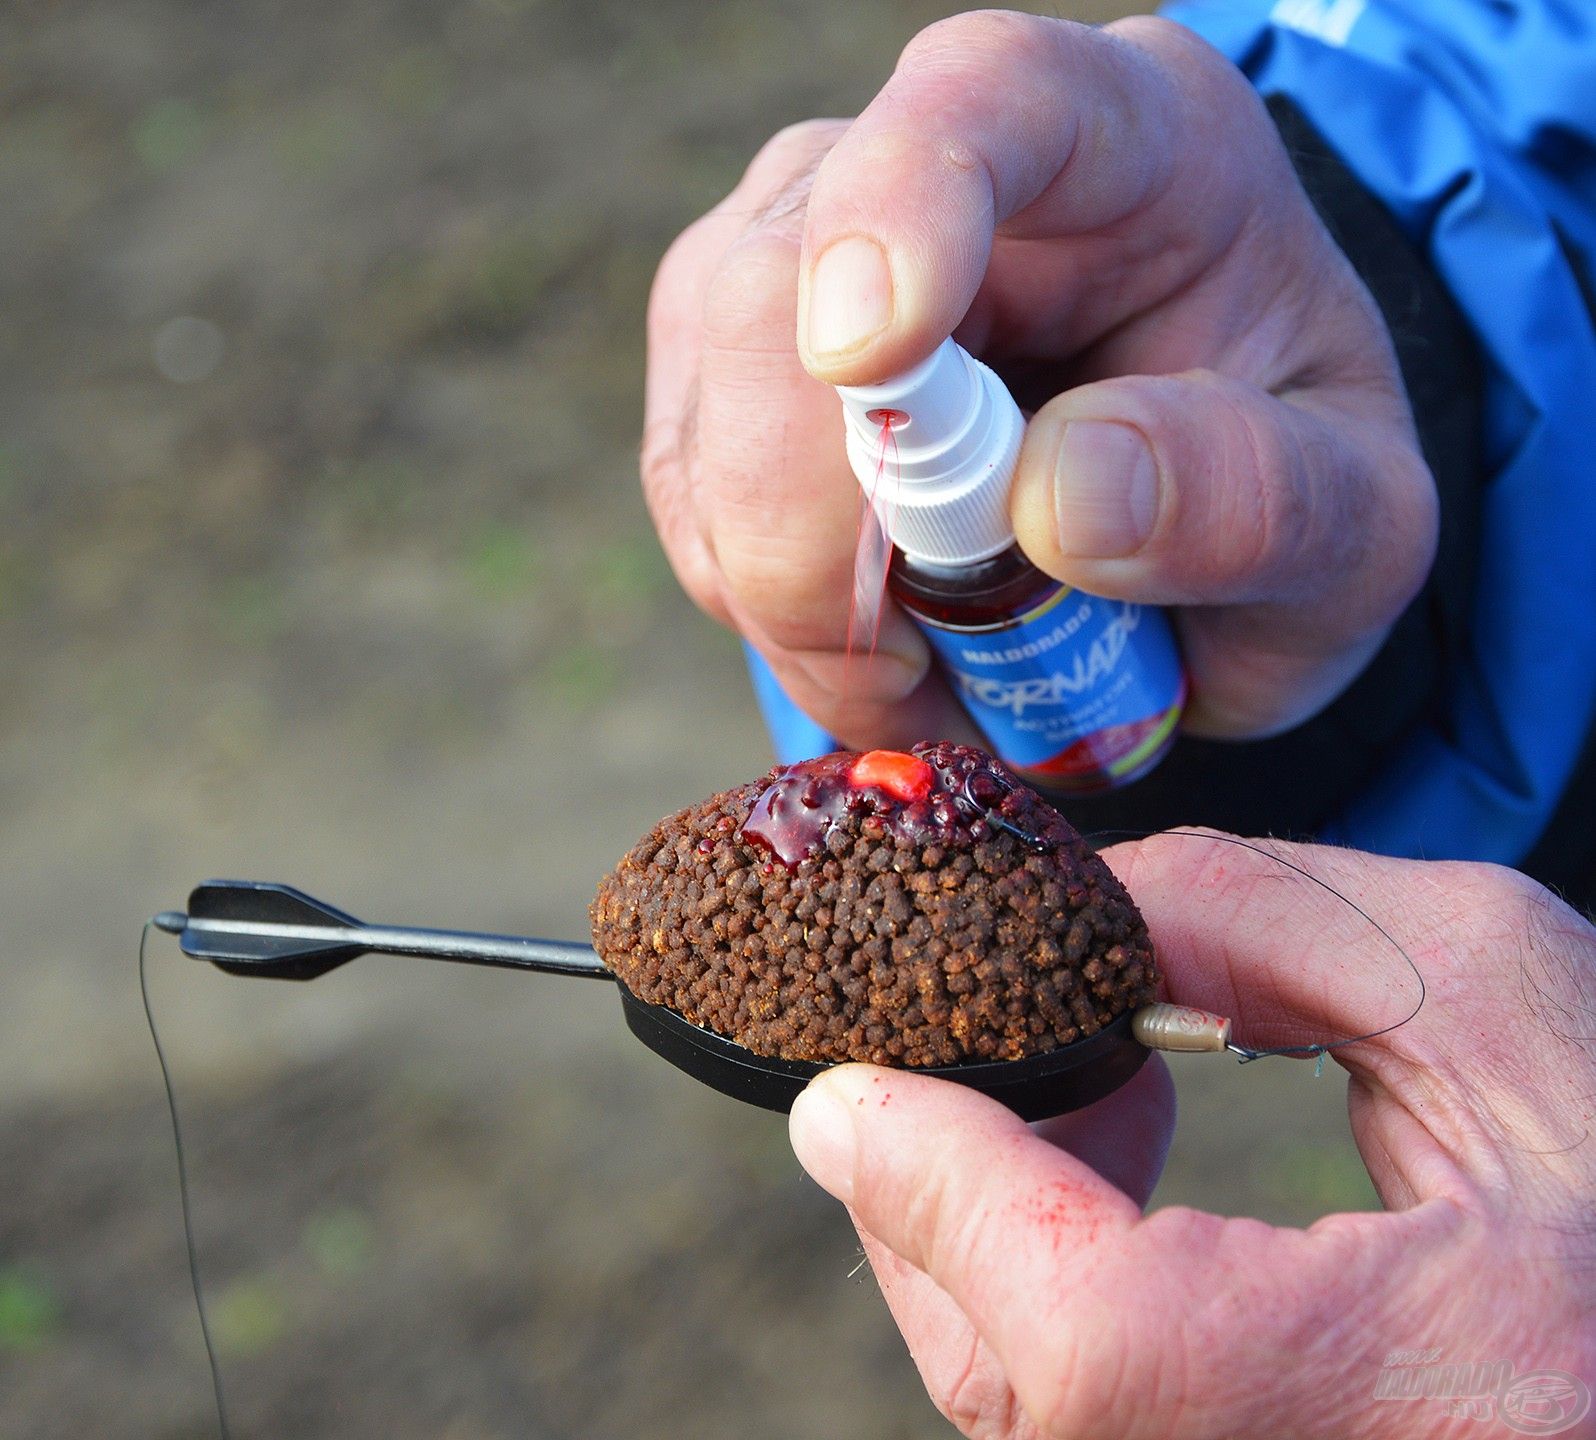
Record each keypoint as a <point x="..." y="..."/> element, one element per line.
<point x="1301" y="945"/>
<point x="1045" y="128"/>
<point x="1095" y="1313"/>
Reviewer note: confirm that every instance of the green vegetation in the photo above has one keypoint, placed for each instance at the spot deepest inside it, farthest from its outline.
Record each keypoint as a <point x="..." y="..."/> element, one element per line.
<point x="30" y="1312"/>
<point x="1316" y="1179"/>
<point x="249" y="609"/>
<point x="339" y="1242"/>
<point x="248" y="1317"/>
<point x="169" y="133"/>
<point x="501" y="562"/>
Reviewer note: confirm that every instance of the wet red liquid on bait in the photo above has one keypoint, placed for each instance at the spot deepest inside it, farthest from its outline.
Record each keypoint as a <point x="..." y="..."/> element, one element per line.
<point x="941" y="794"/>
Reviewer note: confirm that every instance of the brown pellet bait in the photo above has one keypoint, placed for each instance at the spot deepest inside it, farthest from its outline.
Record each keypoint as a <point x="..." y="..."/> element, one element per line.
<point x="905" y="909"/>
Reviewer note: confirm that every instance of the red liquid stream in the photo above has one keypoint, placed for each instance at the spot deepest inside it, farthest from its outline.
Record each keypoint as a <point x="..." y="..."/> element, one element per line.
<point x="872" y="556"/>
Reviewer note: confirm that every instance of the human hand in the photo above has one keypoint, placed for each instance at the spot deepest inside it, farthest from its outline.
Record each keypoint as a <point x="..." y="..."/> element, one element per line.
<point x="1110" y="214"/>
<point x="1038" y="1301"/>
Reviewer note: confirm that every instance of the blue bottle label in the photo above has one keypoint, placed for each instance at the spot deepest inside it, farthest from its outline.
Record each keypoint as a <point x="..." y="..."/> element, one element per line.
<point x="1079" y="686"/>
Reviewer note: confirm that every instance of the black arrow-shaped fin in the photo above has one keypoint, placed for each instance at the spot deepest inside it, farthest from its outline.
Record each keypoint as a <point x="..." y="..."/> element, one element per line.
<point x="222" y="914"/>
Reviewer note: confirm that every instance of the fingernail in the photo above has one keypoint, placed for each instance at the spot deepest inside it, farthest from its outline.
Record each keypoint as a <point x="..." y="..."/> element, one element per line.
<point x="1105" y="490"/>
<point x="879" y="677"/>
<point x="822" y="1132"/>
<point x="850" y="297"/>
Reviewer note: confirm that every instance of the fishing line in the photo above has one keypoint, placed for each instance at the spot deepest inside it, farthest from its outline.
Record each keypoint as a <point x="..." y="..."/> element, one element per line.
<point x="1321" y="1049"/>
<point x="182" y="1190"/>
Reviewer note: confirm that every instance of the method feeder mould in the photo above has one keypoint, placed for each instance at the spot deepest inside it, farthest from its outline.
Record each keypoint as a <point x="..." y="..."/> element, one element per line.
<point x="272" y="931"/>
<point x="921" y="910"/>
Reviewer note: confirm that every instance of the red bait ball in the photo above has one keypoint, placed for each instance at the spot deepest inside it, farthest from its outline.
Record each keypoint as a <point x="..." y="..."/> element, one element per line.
<point x="904" y="777"/>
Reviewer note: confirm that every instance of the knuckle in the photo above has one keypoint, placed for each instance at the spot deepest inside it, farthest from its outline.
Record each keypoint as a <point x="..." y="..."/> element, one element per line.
<point x="685" y="258"/>
<point x="1281" y="494"/>
<point x="1416" y="520"/>
<point x="977" y="37"/>
<point x="1236" y="513"/>
<point x="661" y="463"/>
<point x="668" y="496"/>
<point x="1057" y="1401"/>
<point x="1178" y="45"/>
<point x="1494" y="900"/>
<point x="874" y="152"/>
<point x="792" y="619"/>
<point x="792" y="149"/>
<point x="797" y="609"/>
<point x="1086" y="1380"/>
<point x="696" y="574"/>
<point x="1079" y="1402"/>
<point x="1206" y="79"/>
<point x="802" y="633"/>
<point x="751" y="302"/>
<point x="939" y="1229"/>
<point x="780" y="178"/>
<point x="976" y="1399"/>
<point x="1269" y="522"/>
<point x="1182" y="1229"/>
<point x="1094" y="1378"/>
<point x="1303" y="514"/>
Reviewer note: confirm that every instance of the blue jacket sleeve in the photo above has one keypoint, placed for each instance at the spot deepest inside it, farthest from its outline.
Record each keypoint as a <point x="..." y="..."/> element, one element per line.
<point x="1474" y="121"/>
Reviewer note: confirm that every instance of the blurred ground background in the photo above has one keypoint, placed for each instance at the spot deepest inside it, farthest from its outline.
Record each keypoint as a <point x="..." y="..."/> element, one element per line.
<point x="322" y="558"/>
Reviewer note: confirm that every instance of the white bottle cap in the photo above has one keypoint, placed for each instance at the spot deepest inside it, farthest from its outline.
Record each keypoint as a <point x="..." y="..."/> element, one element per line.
<point x="955" y="436"/>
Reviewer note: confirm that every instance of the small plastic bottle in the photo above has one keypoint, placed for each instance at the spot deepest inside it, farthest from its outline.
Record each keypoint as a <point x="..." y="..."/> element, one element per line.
<point x="1074" y="692"/>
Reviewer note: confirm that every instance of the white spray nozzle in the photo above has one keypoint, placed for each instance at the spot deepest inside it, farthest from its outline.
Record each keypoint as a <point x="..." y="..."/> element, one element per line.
<point x="955" y="435"/>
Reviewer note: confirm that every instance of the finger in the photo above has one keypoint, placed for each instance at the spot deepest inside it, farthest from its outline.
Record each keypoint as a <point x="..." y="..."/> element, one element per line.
<point x="1094" y="1314"/>
<point x="669" y="398"/>
<point x="1125" y="1138"/>
<point x="1298" y="944"/>
<point x="744" y="468"/>
<point x="860" y="698"/>
<point x="1471" y="1093"/>
<point x="781" y="169"/>
<point x="1204" y="491"/>
<point x="778" y="497"/>
<point x="781" y="508"/>
<point x="964" y="1379"/>
<point x="1240" y="933"/>
<point x="959" y="1188"/>
<point x="1041" y="126"/>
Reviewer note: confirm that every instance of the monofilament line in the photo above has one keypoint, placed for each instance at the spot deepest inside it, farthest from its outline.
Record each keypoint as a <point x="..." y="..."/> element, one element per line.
<point x="182" y="1191"/>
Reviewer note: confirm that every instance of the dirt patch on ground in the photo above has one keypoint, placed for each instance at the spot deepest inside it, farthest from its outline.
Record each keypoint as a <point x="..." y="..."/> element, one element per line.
<point x="390" y="1254"/>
